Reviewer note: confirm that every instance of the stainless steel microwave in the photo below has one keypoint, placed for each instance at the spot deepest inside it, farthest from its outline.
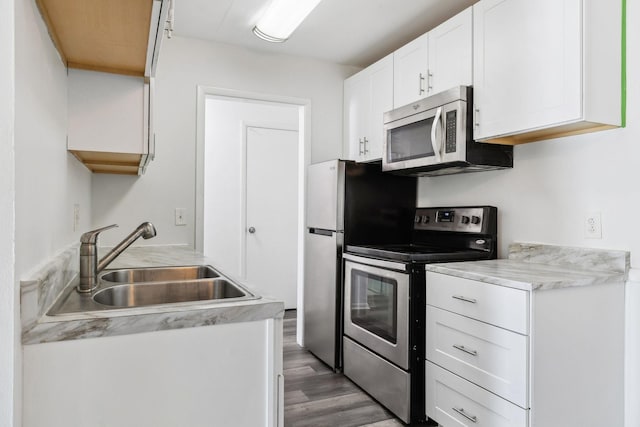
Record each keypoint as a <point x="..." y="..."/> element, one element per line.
<point x="434" y="136"/>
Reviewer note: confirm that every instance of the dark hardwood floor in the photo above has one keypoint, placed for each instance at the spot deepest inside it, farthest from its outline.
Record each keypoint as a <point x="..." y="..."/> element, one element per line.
<point x="316" y="396"/>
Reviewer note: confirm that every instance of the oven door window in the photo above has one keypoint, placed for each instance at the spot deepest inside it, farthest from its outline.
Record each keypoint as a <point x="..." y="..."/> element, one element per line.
<point x="410" y="141"/>
<point x="374" y="304"/>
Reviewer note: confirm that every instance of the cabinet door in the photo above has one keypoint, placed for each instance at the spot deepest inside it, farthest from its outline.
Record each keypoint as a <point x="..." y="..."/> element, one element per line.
<point x="106" y="112"/>
<point x="451" y="53"/>
<point x="381" y="101"/>
<point x="527" y="65"/>
<point x="356" y="111"/>
<point x="410" y="64"/>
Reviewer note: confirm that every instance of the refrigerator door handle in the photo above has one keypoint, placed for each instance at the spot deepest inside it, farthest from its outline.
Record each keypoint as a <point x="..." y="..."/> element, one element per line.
<point x="321" y="231"/>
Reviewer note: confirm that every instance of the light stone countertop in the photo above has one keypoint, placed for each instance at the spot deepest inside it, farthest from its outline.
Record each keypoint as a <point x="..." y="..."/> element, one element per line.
<point x="538" y="267"/>
<point x="60" y="275"/>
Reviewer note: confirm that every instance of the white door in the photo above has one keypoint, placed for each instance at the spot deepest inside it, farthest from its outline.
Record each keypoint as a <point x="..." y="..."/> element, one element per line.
<point x="527" y="64"/>
<point x="356" y="103"/>
<point x="381" y="99"/>
<point x="451" y="53"/>
<point x="410" y="64"/>
<point x="272" y="212"/>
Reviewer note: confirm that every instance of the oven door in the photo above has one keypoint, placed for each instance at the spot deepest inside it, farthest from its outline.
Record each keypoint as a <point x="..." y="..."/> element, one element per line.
<point x="426" y="138"/>
<point x="376" y="310"/>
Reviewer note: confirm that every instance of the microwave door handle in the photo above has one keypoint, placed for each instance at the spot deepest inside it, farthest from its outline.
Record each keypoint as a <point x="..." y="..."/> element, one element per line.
<point x="435" y="143"/>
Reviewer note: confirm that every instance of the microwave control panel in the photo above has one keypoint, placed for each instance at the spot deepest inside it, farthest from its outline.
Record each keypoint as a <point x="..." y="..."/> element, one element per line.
<point x="450" y="132"/>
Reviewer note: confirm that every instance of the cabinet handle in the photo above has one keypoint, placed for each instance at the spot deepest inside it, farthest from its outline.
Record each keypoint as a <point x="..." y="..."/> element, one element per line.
<point x="365" y="145"/>
<point x="360" y="144"/>
<point x="466" y="350"/>
<point x="476" y="121"/>
<point x="461" y="411"/>
<point x="429" y="81"/>
<point x="465" y="299"/>
<point x="420" y="85"/>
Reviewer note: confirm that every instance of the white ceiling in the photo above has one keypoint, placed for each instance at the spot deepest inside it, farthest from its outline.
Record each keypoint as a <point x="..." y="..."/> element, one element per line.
<point x="352" y="32"/>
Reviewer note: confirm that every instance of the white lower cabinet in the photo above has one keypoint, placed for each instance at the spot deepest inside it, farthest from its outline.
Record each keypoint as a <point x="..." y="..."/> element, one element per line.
<point x="499" y="356"/>
<point x="454" y="401"/>
<point x="492" y="357"/>
<point x="219" y="375"/>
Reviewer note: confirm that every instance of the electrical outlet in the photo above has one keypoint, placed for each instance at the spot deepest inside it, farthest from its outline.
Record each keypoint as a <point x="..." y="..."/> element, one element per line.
<point x="181" y="214"/>
<point x="76" y="216"/>
<point x="593" y="226"/>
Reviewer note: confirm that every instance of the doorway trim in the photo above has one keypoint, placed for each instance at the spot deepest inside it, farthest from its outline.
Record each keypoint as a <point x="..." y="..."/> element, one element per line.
<point x="304" y="159"/>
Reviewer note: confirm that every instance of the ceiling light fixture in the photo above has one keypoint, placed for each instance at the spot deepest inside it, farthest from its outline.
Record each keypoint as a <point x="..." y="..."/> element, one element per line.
<point x="281" y="19"/>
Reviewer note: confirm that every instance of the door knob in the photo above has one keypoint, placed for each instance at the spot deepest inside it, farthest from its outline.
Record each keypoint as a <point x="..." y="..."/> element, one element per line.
<point x="252" y="230"/>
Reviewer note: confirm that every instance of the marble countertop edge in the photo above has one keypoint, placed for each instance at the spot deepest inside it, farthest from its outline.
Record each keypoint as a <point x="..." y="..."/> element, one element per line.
<point x="72" y="329"/>
<point x="523" y="275"/>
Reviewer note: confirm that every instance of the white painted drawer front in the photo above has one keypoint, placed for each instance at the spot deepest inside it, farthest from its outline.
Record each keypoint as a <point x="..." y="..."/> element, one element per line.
<point x="491" y="357"/>
<point x="454" y="401"/>
<point x="498" y="305"/>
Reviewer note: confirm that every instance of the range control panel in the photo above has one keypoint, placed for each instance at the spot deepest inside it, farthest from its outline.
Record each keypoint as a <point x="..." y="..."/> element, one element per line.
<point x="478" y="219"/>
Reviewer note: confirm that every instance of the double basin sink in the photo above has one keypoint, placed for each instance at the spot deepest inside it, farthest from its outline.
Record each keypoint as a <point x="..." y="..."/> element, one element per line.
<point x="138" y="287"/>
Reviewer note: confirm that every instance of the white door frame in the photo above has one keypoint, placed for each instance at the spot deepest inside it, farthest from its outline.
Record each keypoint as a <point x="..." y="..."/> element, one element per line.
<point x="304" y="159"/>
<point x="243" y="185"/>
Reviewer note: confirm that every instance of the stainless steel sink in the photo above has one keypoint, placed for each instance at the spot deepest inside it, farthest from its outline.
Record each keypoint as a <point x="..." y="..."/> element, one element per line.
<point x="137" y="287"/>
<point x="159" y="274"/>
<point x="141" y="294"/>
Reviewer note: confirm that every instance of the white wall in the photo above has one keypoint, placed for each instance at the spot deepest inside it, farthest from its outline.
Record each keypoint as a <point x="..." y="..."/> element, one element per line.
<point x="48" y="180"/>
<point x="9" y="336"/>
<point x="170" y="180"/>
<point x="223" y="225"/>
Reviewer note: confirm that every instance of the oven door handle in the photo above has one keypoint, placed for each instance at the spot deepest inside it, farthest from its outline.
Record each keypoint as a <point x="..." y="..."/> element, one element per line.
<point x="435" y="143"/>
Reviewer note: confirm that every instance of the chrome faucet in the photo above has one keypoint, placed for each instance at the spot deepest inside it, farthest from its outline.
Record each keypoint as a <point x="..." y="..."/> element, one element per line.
<point x="89" y="265"/>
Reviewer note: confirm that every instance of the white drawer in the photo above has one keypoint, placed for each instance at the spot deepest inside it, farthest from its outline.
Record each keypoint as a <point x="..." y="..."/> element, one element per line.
<point x="497" y="305"/>
<point x="491" y="357"/>
<point x="454" y="401"/>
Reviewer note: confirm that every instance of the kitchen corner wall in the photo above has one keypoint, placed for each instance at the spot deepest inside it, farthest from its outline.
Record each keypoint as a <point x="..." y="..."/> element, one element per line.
<point x="169" y="182"/>
<point x="48" y="180"/>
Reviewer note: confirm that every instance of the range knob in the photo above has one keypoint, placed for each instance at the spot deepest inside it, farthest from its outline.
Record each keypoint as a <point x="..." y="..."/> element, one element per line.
<point x="426" y="219"/>
<point x="475" y="219"/>
<point x="417" y="220"/>
<point x="464" y="219"/>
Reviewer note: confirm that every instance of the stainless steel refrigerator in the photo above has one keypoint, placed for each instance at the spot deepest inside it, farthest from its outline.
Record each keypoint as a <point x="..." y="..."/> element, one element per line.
<point x="347" y="203"/>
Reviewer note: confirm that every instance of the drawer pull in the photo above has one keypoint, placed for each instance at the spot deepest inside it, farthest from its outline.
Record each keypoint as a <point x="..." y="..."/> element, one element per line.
<point x="465" y="299"/>
<point x="466" y="350"/>
<point x="472" y="418"/>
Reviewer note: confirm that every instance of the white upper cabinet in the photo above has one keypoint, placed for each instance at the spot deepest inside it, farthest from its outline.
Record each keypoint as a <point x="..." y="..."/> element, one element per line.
<point x="435" y="61"/>
<point x="451" y="53"/>
<point x="111" y="71"/>
<point x="410" y="68"/>
<point x="110" y="124"/>
<point x="546" y="68"/>
<point x="367" y="96"/>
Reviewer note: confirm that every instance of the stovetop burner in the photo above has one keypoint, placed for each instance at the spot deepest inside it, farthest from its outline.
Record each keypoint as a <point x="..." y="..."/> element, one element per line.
<point x="417" y="253"/>
<point x="412" y="248"/>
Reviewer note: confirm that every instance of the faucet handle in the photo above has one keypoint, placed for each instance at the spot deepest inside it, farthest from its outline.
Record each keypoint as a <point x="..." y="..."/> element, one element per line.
<point x="92" y="236"/>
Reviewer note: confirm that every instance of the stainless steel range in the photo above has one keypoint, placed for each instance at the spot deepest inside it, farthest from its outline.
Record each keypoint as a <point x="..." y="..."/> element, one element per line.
<point x="384" y="307"/>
